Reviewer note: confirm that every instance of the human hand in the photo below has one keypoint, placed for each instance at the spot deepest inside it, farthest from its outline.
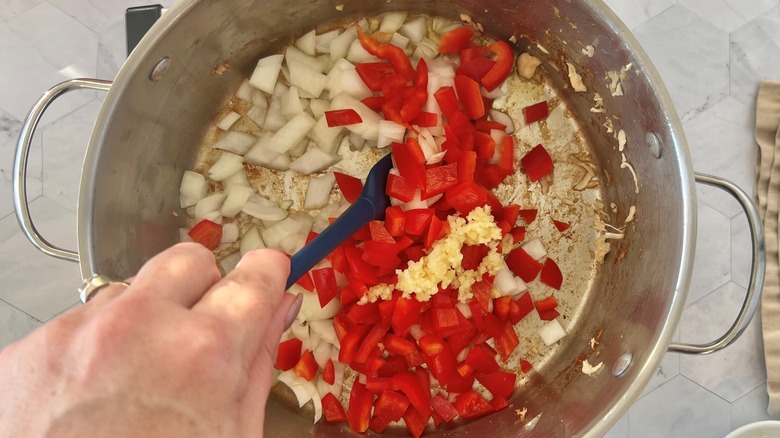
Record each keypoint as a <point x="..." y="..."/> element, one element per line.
<point x="180" y="352"/>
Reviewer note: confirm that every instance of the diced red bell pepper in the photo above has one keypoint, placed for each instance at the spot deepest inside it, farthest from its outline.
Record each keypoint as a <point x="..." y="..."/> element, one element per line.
<point x="523" y="265"/>
<point x="375" y="73"/>
<point x="414" y="359"/>
<point x="470" y="96"/>
<point x="406" y="314"/>
<point x="474" y="51"/>
<point x="418" y="220"/>
<point x="342" y="117"/>
<point x="471" y="405"/>
<point x="311" y="236"/>
<point x="414" y="252"/>
<point x="548" y="315"/>
<point x="433" y="233"/>
<point x="392" y="366"/>
<point x="443" y="407"/>
<point x="507" y="342"/>
<point x="443" y="366"/>
<point x="444" y="318"/>
<point x="359" y="411"/>
<point x="482" y="292"/>
<point x="510" y="213"/>
<point x="414" y="97"/>
<point x="467" y="165"/>
<point x="374" y="102"/>
<point x="424" y="377"/>
<point x="485" y="125"/>
<point x="379" y="384"/>
<point x="501" y="307"/>
<point x="499" y="383"/>
<point x="350" y="186"/>
<point x="381" y="255"/>
<point x="476" y="68"/>
<point x="518" y="234"/>
<point x="373" y="337"/>
<point x="561" y="226"/>
<point x="426" y="119"/>
<point x="521" y="308"/>
<point x="349" y="345"/>
<point x="484" y="145"/>
<point x="400" y="188"/>
<point x="462" y="128"/>
<point x="410" y="161"/>
<point x="547" y="303"/>
<point x="378" y="423"/>
<point x="466" y="196"/>
<point x="329" y="372"/>
<point x="332" y="409"/>
<point x="386" y="308"/>
<point x="364" y="313"/>
<point x="534" y="113"/>
<point x="306" y="282"/>
<point x="459" y="341"/>
<point x="325" y="281"/>
<point x="537" y="163"/>
<point x="288" y="354"/>
<point x="415" y="421"/>
<point x="473" y="255"/>
<point x="504" y="58"/>
<point x="389" y="52"/>
<point x="506" y="156"/>
<point x="395" y="221"/>
<point x="447" y="100"/>
<point x="551" y="274"/>
<point x="525" y="366"/>
<point x="410" y="386"/>
<point x="391" y="405"/>
<point x="207" y="233"/>
<point x="498" y="403"/>
<point x="379" y="232"/>
<point x="456" y="39"/>
<point x="439" y="179"/>
<point x="398" y="345"/>
<point x="306" y="366"/>
<point x="481" y="360"/>
<point x="362" y="270"/>
<point x="338" y="259"/>
<point x="431" y="345"/>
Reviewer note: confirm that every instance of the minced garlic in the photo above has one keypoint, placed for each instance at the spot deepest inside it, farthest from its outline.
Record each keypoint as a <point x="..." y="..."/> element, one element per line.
<point x="442" y="265"/>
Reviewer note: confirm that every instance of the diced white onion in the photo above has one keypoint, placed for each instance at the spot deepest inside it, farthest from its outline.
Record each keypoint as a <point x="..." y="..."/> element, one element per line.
<point x="294" y="56"/>
<point x="323" y="40"/>
<point x="318" y="192"/>
<point x="259" y="99"/>
<point x="392" y="21"/>
<point x="426" y="49"/>
<point x="415" y="29"/>
<point x="226" y="166"/>
<point x="292" y="244"/>
<point x="552" y="332"/>
<point x="229" y="232"/>
<point x="322" y="353"/>
<point x="295" y="383"/>
<point x="462" y="355"/>
<point x="339" y="46"/>
<point x="300" y="148"/>
<point x="228" y="120"/>
<point x="324" y="328"/>
<point x="237" y="197"/>
<point x="433" y="199"/>
<point x="237" y="179"/>
<point x="214" y="216"/>
<point x="291" y="133"/>
<point x="465" y="309"/>
<point x="291" y="103"/>
<point x="265" y="74"/>
<point x="311" y="310"/>
<point x="324" y="136"/>
<point x="505" y="282"/>
<point x="356" y="142"/>
<point x="280" y="163"/>
<point x="333" y="84"/>
<point x="352" y="84"/>
<point x="390" y="132"/>
<point x="307" y="43"/>
<point x="306" y="78"/>
<point x="250" y="241"/>
<point x="257" y="115"/>
<point x="323" y="387"/>
<point x="236" y="142"/>
<point x="435" y="158"/>
<point x="416" y="331"/>
<point x="318" y="107"/>
<point x="504" y="119"/>
<point x="358" y="55"/>
<point x="244" y="92"/>
<point x="193" y="188"/>
<point x="535" y="248"/>
<point x="299" y="329"/>
<point x="274" y="118"/>
<point x="297" y="224"/>
<point x="416" y="203"/>
<point x="261" y="154"/>
<point x="315" y="399"/>
<point x="208" y="205"/>
<point x="264" y="212"/>
<point x="369" y="129"/>
<point x="314" y="160"/>
<point x="184" y="235"/>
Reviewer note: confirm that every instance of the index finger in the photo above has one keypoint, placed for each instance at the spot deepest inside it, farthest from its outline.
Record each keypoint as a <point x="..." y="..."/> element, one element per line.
<point x="249" y="296"/>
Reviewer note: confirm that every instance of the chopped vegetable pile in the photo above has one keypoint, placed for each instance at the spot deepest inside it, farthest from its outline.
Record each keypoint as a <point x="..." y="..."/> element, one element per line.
<point x="415" y="315"/>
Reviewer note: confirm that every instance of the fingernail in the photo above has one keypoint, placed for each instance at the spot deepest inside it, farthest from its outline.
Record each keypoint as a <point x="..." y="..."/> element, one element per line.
<point x="293" y="312"/>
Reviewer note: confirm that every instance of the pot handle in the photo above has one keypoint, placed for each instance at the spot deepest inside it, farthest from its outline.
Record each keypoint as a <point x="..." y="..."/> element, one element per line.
<point x="757" y="271"/>
<point x="22" y="155"/>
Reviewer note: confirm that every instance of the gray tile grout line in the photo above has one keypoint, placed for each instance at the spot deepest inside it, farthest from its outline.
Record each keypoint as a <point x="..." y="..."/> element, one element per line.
<point x="20" y="310"/>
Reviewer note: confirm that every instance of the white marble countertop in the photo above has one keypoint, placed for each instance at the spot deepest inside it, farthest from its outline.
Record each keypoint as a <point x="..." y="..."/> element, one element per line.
<point x="710" y="53"/>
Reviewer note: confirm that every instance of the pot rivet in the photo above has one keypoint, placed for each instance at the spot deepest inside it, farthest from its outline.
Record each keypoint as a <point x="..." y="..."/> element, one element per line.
<point x="622" y="364"/>
<point x="159" y="70"/>
<point x="654" y="144"/>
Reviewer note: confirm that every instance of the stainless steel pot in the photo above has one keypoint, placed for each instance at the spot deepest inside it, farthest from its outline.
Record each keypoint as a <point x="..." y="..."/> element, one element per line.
<point x="157" y="111"/>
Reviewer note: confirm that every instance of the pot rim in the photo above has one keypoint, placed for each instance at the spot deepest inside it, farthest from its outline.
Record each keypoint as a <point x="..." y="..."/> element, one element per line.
<point x="679" y="149"/>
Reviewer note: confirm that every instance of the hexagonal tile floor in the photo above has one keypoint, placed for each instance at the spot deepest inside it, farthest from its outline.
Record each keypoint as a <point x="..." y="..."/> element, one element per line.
<point x="710" y="53"/>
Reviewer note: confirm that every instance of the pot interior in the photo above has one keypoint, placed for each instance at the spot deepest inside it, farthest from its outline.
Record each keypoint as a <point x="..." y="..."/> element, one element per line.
<point x="148" y="134"/>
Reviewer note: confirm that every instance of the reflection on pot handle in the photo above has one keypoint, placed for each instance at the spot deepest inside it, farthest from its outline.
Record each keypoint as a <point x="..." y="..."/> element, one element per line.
<point x="22" y="154"/>
<point x="757" y="272"/>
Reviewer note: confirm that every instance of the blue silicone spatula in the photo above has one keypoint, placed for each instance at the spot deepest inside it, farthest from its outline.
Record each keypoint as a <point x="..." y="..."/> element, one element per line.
<point x="369" y="206"/>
